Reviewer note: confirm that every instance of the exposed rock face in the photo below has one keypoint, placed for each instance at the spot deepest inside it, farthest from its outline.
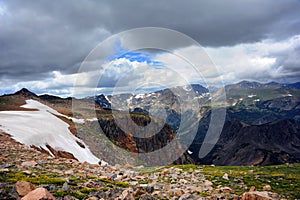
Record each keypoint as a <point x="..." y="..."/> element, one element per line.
<point x="268" y="144"/>
<point x="39" y="194"/>
<point x="137" y="144"/>
<point x="40" y="149"/>
<point x="102" y="102"/>
<point x="25" y="93"/>
<point x="143" y="143"/>
<point x="284" y="103"/>
<point x="61" y="154"/>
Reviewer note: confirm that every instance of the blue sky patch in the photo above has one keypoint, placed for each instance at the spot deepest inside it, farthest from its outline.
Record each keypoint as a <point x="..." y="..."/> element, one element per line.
<point x="137" y="56"/>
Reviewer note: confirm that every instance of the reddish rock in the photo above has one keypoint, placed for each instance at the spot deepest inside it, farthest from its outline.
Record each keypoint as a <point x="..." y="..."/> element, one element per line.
<point x="40" y="149"/>
<point x="252" y="189"/>
<point x="128" y="166"/>
<point x="165" y="172"/>
<point x="179" y="192"/>
<point x="61" y="154"/>
<point x="39" y="194"/>
<point x="31" y="163"/>
<point x="138" y="192"/>
<point x="126" y="194"/>
<point x="267" y="188"/>
<point x="226" y="189"/>
<point x="24" y="188"/>
<point x="260" y="196"/>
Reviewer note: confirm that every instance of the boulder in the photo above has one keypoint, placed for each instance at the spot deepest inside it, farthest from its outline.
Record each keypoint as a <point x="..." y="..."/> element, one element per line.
<point x="226" y="189"/>
<point x="179" y="192"/>
<point x="267" y="188"/>
<point x="225" y="176"/>
<point x="126" y="195"/>
<point x="252" y="189"/>
<point x="256" y="195"/>
<point x="24" y="188"/>
<point x="31" y="163"/>
<point x="147" y="197"/>
<point x="39" y="194"/>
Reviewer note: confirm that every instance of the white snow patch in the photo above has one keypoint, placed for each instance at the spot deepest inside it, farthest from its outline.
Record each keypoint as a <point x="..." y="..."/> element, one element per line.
<point x="187" y="88"/>
<point x="108" y="99"/>
<point x="139" y="96"/>
<point x="251" y="95"/>
<point x="129" y="101"/>
<point x="78" y="121"/>
<point x="42" y="127"/>
<point x="149" y="95"/>
<point x="189" y="152"/>
<point x="92" y="119"/>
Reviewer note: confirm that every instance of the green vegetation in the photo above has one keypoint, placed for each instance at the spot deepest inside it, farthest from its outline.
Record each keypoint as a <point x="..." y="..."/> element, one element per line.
<point x="78" y="194"/>
<point x="11" y="103"/>
<point x="284" y="179"/>
<point x="204" y="194"/>
<point x="13" y="177"/>
<point x="263" y="94"/>
<point x="122" y="184"/>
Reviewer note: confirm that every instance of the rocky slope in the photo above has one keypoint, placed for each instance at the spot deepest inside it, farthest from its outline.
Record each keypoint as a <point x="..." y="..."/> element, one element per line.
<point x="99" y="138"/>
<point x="242" y="144"/>
<point x="28" y="174"/>
<point x="261" y="113"/>
<point x="103" y="134"/>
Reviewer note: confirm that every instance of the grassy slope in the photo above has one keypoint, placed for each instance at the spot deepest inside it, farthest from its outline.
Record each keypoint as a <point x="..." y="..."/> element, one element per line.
<point x="284" y="179"/>
<point x="262" y="94"/>
<point x="12" y="103"/>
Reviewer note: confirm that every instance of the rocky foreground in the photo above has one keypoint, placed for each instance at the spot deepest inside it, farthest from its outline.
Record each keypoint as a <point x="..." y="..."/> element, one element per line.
<point x="28" y="174"/>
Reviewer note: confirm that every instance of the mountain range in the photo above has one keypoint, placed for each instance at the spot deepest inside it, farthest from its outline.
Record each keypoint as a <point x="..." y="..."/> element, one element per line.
<point x="262" y="125"/>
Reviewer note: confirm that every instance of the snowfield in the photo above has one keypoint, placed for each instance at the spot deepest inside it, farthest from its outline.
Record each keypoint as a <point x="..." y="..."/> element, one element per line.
<point x="42" y="127"/>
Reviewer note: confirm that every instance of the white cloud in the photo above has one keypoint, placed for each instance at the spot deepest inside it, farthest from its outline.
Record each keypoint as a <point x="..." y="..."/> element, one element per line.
<point x="256" y="61"/>
<point x="261" y="61"/>
<point x="3" y="9"/>
<point x="129" y="76"/>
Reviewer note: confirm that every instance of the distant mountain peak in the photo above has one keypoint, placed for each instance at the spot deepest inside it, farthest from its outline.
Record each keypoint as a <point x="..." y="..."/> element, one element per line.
<point x="25" y="92"/>
<point x="249" y="84"/>
<point x="255" y="85"/>
<point x="273" y="83"/>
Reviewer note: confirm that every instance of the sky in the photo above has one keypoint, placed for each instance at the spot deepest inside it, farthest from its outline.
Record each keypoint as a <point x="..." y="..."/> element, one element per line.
<point x="44" y="43"/>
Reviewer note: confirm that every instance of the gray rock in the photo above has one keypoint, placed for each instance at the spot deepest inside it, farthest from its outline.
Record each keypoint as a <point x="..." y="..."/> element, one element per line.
<point x="8" y="192"/>
<point x="5" y="165"/>
<point x="68" y="197"/>
<point x="187" y="197"/>
<point x="147" y="197"/>
<point x="65" y="186"/>
<point x="225" y="176"/>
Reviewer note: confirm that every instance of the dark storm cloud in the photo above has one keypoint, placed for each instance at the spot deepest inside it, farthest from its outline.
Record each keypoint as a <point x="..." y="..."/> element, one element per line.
<point x="213" y="23"/>
<point x="38" y="37"/>
<point x="287" y="63"/>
